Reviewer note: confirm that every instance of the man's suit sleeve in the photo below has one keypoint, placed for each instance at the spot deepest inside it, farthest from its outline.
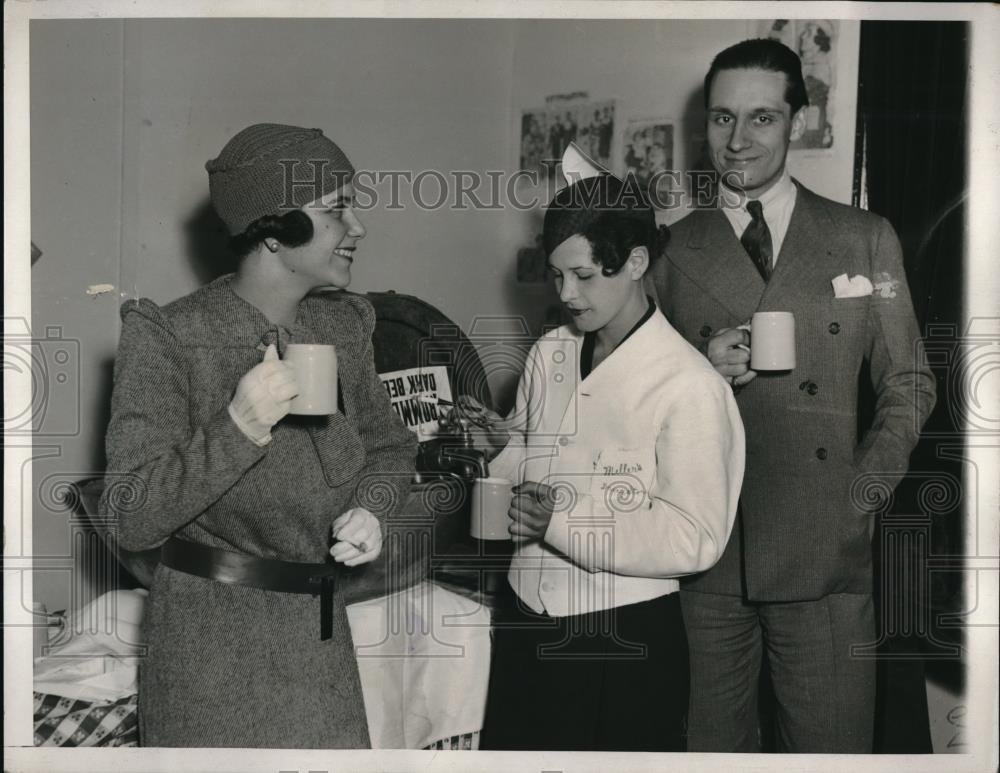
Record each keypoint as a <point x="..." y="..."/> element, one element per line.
<point x="903" y="383"/>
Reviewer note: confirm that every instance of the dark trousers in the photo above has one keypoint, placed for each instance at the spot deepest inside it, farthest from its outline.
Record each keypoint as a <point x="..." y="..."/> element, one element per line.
<point x="615" y="680"/>
<point x="824" y="695"/>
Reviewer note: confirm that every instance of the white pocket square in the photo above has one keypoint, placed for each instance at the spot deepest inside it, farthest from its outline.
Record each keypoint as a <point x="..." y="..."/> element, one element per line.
<point x="857" y="286"/>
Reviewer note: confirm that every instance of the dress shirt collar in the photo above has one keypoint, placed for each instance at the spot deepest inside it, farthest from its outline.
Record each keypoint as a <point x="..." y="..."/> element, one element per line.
<point x="778" y="201"/>
<point x="778" y="195"/>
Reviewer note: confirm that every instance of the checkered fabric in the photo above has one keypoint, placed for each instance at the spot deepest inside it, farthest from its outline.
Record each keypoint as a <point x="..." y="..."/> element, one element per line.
<point x="464" y="742"/>
<point x="63" y="721"/>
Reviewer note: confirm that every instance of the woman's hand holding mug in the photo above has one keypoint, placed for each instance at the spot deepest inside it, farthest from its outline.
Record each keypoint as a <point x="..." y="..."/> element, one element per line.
<point x="263" y="397"/>
<point x="358" y="536"/>
<point x="531" y="510"/>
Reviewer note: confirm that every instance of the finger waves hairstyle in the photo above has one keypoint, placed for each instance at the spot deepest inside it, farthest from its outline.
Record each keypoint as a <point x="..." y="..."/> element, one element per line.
<point x="613" y="215"/>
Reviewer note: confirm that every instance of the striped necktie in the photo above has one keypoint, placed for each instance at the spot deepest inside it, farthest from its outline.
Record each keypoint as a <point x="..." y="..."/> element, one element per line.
<point x="756" y="239"/>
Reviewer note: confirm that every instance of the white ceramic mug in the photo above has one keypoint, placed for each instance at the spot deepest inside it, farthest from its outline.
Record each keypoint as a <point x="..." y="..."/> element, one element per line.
<point x="490" y="503"/>
<point x="315" y="368"/>
<point x="772" y="340"/>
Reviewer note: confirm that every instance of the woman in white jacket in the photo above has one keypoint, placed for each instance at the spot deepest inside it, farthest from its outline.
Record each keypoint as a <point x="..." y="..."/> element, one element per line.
<point x="627" y="451"/>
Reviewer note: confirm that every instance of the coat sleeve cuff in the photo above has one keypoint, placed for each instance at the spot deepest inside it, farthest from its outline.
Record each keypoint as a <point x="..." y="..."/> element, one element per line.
<point x="260" y="440"/>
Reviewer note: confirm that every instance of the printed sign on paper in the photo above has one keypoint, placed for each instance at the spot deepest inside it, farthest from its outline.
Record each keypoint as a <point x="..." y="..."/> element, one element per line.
<point x="414" y="394"/>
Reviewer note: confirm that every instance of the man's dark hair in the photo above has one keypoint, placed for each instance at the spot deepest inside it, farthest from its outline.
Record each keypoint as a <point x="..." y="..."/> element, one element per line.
<point x="763" y="54"/>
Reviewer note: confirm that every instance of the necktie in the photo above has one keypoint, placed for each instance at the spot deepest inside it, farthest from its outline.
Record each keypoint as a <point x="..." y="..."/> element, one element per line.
<point x="756" y="239"/>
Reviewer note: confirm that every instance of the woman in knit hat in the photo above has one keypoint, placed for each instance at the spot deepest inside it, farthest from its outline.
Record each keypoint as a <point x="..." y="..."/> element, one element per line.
<point x="627" y="451"/>
<point x="265" y="519"/>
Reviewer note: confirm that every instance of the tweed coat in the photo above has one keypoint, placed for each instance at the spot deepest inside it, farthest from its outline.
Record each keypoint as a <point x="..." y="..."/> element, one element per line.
<point x="804" y="530"/>
<point x="231" y="665"/>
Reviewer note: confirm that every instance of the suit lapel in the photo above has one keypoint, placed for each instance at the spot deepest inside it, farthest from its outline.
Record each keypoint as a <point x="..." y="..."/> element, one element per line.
<point x="811" y="246"/>
<point x="714" y="259"/>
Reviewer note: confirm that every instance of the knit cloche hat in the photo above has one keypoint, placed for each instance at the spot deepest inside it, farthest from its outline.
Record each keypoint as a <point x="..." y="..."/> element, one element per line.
<point x="270" y="169"/>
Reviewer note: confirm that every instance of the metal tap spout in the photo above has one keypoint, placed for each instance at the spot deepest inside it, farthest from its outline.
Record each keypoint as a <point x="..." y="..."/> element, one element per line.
<point x="470" y="461"/>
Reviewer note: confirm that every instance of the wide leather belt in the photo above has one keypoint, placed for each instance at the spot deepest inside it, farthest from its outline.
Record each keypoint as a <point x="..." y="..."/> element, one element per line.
<point x="264" y="573"/>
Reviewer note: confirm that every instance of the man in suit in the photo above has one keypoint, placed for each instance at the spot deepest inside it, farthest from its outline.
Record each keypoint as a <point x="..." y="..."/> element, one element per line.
<point x="793" y="589"/>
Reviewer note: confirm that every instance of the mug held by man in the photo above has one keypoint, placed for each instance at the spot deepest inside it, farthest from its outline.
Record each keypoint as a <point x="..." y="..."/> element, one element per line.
<point x="772" y="341"/>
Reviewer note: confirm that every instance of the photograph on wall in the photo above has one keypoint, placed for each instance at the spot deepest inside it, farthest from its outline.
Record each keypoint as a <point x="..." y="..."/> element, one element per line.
<point x="534" y="140"/>
<point x="815" y="41"/>
<point x="562" y="122"/>
<point x="648" y="149"/>
<point x="596" y="124"/>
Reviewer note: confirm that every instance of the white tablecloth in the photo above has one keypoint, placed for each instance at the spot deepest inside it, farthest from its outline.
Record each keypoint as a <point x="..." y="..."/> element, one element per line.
<point x="424" y="659"/>
<point x="95" y="655"/>
<point x="423" y="655"/>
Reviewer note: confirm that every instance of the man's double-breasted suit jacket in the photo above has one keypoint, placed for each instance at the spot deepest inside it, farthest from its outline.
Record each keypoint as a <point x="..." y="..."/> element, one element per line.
<point x="804" y="526"/>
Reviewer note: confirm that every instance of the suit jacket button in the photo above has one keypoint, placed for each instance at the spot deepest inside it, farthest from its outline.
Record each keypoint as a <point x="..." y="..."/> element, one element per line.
<point x="834" y="327"/>
<point x="812" y="388"/>
<point x="821" y="453"/>
<point x="705" y="331"/>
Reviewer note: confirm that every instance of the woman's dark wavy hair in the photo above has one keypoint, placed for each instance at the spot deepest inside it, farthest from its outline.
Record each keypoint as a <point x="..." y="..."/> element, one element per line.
<point x="293" y="229"/>
<point x="614" y="216"/>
